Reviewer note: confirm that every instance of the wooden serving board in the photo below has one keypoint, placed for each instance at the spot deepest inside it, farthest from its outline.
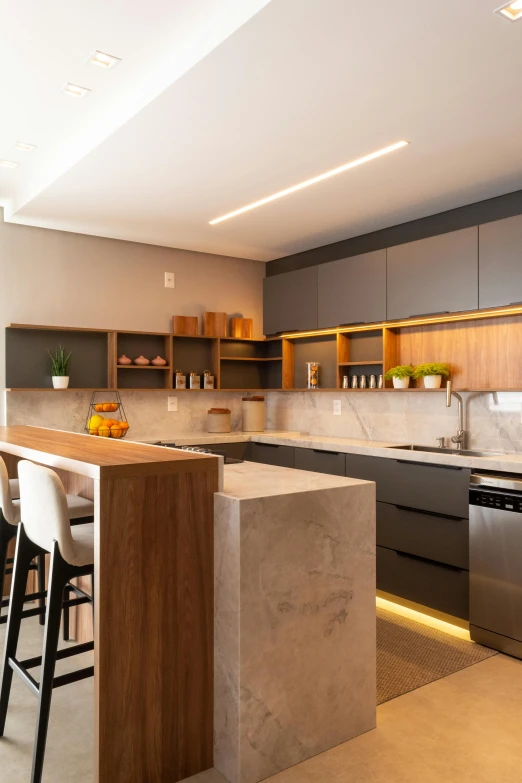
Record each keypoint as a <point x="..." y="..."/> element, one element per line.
<point x="241" y="327"/>
<point x="215" y="324"/>
<point x="185" y="325"/>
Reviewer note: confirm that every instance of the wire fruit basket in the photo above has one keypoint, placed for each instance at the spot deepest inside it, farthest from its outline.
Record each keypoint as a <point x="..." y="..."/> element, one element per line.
<point x="106" y="416"/>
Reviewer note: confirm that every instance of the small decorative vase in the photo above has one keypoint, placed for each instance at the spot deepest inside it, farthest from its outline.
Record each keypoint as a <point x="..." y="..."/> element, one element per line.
<point x="432" y="381"/>
<point x="124" y="360"/>
<point x="141" y="361"/>
<point x="401" y="383"/>
<point x="159" y="362"/>
<point x="60" y="381"/>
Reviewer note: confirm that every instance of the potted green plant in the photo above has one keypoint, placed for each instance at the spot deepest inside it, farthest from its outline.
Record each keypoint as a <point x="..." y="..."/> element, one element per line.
<point x="60" y="368"/>
<point x="432" y="374"/>
<point x="400" y="375"/>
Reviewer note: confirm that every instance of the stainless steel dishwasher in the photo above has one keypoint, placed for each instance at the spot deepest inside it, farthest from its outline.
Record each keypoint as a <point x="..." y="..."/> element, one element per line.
<point x="495" y="562"/>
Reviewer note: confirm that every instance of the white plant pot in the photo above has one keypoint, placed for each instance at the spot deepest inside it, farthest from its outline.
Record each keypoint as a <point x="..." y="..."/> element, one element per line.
<point x="432" y="381"/>
<point x="401" y="383"/>
<point x="60" y="381"/>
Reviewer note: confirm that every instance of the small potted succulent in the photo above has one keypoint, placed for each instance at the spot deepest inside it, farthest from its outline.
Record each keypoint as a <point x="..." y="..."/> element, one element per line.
<point x="60" y="368"/>
<point x="432" y="374"/>
<point x="400" y="375"/>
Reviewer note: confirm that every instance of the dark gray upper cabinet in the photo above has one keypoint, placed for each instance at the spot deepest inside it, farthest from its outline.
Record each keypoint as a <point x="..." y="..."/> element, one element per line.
<point x="500" y="262"/>
<point x="290" y="301"/>
<point x="353" y="290"/>
<point x="435" y="275"/>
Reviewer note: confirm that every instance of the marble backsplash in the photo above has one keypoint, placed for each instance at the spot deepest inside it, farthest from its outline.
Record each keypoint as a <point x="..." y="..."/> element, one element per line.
<point x="492" y="419"/>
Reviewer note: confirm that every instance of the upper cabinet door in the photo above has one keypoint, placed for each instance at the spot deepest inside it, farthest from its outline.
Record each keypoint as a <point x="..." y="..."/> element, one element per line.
<point x="353" y="290"/>
<point x="290" y="301"/>
<point x="435" y="275"/>
<point x="500" y="262"/>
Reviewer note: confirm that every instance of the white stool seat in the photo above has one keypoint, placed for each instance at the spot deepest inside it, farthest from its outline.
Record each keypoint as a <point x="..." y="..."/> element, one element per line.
<point x="76" y="506"/>
<point x="14" y="488"/>
<point x="83" y="545"/>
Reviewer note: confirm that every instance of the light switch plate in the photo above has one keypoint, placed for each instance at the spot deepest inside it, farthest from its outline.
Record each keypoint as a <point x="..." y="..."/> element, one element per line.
<point x="169" y="280"/>
<point x="337" y="408"/>
<point x="172" y="405"/>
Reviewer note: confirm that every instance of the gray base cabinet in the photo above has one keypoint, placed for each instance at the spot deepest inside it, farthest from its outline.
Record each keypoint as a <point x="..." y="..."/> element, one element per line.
<point x="500" y="262"/>
<point x="271" y="454"/>
<point x="332" y="462"/>
<point x="435" y="275"/>
<point x="290" y="301"/>
<point x="352" y="290"/>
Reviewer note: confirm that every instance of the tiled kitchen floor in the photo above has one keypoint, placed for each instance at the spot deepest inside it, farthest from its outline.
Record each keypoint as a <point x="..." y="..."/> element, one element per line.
<point x="466" y="727"/>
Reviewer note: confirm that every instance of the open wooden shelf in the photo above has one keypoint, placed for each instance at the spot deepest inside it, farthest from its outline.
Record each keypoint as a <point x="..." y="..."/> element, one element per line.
<point x="142" y="367"/>
<point x="358" y="364"/>
<point x="251" y="359"/>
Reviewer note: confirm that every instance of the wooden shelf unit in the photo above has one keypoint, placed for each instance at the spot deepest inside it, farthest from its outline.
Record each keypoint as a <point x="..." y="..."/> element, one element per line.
<point x="483" y="350"/>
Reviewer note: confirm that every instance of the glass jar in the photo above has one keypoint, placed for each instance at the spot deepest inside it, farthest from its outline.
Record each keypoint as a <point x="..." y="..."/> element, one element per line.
<point x="208" y="380"/>
<point x="181" y="380"/>
<point x="195" y="380"/>
<point x="313" y="374"/>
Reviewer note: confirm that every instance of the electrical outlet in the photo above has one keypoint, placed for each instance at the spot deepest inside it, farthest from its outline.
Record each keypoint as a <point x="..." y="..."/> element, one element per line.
<point x="172" y="405"/>
<point x="169" y="280"/>
<point x="337" y="408"/>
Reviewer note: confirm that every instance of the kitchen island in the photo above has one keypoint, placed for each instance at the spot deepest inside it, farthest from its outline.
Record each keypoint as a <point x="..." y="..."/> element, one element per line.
<point x="295" y="647"/>
<point x="153" y="633"/>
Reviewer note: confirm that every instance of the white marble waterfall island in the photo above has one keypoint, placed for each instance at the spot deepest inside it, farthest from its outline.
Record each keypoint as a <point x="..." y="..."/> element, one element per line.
<point x="295" y="648"/>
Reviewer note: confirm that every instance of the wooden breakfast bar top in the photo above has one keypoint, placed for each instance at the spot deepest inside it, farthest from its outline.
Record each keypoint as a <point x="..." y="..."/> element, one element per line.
<point x="95" y="457"/>
<point x="154" y="597"/>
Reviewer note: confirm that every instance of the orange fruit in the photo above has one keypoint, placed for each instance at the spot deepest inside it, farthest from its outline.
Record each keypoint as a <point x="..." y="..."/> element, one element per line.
<point x="124" y="425"/>
<point x="104" y="431"/>
<point x="98" y="407"/>
<point x="106" y="407"/>
<point x="93" y="432"/>
<point x="116" y="431"/>
<point x="114" y="406"/>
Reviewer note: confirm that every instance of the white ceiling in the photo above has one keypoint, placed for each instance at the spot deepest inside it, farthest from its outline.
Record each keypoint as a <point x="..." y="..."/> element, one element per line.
<point x="218" y="104"/>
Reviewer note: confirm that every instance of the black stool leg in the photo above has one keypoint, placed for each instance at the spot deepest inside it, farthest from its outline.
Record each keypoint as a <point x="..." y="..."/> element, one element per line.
<point x="41" y="585"/>
<point x="26" y="551"/>
<point x="66" y="615"/>
<point x="58" y="578"/>
<point x="7" y="533"/>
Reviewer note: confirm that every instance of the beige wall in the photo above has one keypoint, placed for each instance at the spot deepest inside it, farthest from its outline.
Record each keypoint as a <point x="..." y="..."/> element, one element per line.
<point x="63" y="279"/>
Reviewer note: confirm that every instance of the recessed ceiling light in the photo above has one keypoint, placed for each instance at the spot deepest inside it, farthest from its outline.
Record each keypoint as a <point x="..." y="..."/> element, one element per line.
<point x="103" y="60"/>
<point x="74" y="91"/>
<point x="9" y="164"/>
<point x="512" y="11"/>
<point x="313" y="181"/>
<point x="21" y="145"/>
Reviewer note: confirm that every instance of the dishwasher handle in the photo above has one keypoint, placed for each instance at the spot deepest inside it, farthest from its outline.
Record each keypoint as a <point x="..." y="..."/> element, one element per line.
<point x="484" y="481"/>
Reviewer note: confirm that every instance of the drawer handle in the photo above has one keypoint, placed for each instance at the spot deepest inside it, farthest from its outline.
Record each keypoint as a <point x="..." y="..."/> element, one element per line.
<point x="323" y="451"/>
<point x="429" y="513"/>
<point x="427" y="464"/>
<point x="427" y="560"/>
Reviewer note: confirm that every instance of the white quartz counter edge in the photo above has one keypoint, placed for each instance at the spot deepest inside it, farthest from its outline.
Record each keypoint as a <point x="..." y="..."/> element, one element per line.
<point x="509" y="463"/>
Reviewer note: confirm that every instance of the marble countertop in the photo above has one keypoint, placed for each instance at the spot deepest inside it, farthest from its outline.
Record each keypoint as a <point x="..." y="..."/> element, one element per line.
<point x="255" y="480"/>
<point x="506" y="463"/>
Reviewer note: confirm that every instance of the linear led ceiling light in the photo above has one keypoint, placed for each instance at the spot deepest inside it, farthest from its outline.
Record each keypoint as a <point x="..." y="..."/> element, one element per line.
<point x="313" y="181"/>
<point x="74" y="91"/>
<point x="22" y="145"/>
<point x="511" y="11"/>
<point x="103" y="60"/>
<point x="9" y="164"/>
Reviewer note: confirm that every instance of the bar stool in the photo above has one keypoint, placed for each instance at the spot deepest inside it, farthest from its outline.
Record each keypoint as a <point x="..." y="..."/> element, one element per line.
<point x="80" y="510"/>
<point x="44" y="528"/>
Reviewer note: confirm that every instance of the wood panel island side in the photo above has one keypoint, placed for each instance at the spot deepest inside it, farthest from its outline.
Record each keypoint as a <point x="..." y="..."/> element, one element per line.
<point x="154" y="584"/>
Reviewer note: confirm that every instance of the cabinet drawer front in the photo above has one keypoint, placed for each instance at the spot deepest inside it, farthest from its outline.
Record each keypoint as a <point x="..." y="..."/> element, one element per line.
<point x="320" y="461"/>
<point x="440" y="587"/>
<point x="433" y="536"/>
<point x="428" y="487"/>
<point x="271" y="454"/>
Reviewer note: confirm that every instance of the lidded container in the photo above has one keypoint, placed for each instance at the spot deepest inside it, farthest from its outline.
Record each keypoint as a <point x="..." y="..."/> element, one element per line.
<point x="218" y="420"/>
<point x="208" y="380"/>
<point x="253" y="414"/>
<point x="195" y="380"/>
<point x="181" y="380"/>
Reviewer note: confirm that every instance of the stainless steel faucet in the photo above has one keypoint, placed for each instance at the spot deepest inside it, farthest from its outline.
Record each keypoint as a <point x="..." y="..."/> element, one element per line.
<point x="460" y="438"/>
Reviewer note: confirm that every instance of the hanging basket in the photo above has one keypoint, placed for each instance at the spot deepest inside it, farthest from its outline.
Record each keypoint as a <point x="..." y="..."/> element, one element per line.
<point x="106" y="416"/>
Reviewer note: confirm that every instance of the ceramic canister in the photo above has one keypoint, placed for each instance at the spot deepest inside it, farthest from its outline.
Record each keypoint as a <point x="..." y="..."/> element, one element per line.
<point x="253" y="414"/>
<point x="218" y="420"/>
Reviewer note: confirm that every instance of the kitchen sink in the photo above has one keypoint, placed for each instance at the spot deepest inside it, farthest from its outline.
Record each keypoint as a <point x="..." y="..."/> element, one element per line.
<point x="456" y="452"/>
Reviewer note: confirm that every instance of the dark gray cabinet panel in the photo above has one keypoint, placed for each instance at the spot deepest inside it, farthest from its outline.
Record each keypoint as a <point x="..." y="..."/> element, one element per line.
<point x="441" y="587"/>
<point x="352" y="290"/>
<point x="432" y="536"/>
<point x="331" y="462"/>
<point x="435" y="488"/>
<point x="290" y="301"/>
<point x="434" y="275"/>
<point x="271" y="454"/>
<point x="500" y="262"/>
